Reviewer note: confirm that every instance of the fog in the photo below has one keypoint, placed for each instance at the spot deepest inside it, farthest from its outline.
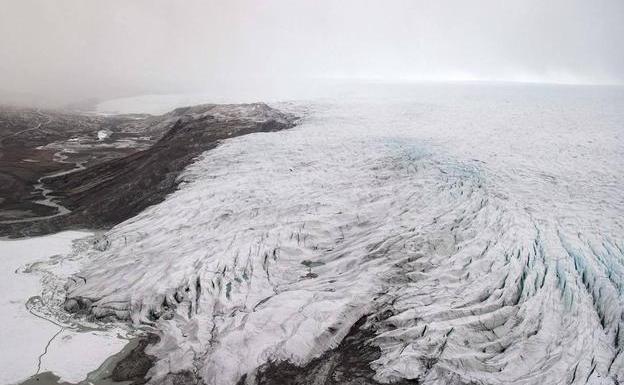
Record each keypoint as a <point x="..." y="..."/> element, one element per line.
<point x="56" y="52"/>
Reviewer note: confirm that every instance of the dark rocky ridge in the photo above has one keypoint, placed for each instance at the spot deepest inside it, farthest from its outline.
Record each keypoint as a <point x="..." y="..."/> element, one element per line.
<point x="111" y="191"/>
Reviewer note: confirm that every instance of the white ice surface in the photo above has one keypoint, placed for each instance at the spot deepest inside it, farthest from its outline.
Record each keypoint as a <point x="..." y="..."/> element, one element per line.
<point x="24" y="336"/>
<point x="487" y="221"/>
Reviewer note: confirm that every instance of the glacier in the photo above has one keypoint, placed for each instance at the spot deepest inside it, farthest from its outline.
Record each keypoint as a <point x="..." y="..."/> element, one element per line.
<point x="476" y="231"/>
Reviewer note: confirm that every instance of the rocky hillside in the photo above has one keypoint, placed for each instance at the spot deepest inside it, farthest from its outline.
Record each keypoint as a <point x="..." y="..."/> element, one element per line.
<point x="108" y="192"/>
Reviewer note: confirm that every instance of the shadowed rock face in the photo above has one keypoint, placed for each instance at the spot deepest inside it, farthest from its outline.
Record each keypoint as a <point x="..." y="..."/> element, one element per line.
<point x="110" y="192"/>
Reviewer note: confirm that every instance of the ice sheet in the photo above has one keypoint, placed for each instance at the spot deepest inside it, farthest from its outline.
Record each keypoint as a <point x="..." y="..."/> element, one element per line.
<point x="483" y="225"/>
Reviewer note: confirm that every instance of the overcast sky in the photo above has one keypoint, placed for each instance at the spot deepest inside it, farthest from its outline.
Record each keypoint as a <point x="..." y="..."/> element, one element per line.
<point x="72" y="49"/>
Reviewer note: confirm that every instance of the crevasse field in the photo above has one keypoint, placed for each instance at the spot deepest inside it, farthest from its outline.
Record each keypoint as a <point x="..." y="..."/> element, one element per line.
<point x="480" y="228"/>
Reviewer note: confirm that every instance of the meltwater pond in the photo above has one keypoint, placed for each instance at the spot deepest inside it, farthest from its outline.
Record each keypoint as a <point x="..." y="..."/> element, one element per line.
<point x="475" y="232"/>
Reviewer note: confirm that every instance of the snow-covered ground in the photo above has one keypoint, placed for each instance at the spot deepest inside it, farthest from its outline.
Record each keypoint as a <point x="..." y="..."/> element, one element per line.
<point x="33" y="342"/>
<point x="483" y="224"/>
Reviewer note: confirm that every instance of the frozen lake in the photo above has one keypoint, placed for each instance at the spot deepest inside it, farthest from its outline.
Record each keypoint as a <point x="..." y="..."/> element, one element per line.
<point x="35" y="342"/>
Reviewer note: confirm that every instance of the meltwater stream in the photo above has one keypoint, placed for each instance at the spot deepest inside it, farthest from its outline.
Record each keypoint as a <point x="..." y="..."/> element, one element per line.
<point x="478" y="229"/>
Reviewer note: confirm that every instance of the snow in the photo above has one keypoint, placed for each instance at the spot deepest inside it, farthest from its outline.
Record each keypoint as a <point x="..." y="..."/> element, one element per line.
<point x="72" y="354"/>
<point x="103" y="134"/>
<point x="483" y="224"/>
